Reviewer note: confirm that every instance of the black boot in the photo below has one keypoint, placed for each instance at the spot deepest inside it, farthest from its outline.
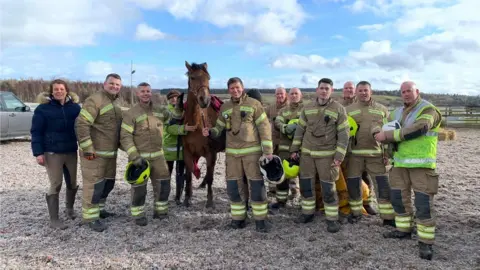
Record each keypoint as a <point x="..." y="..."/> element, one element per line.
<point x="370" y="210"/>
<point x="237" y="224"/>
<point x="333" y="226"/>
<point x="352" y="219"/>
<point x="425" y="251"/>
<point x="389" y="222"/>
<point x="141" y="221"/>
<point x="397" y="234"/>
<point x="97" y="226"/>
<point x="69" y="202"/>
<point x="278" y="205"/>
<point x="304" y="218"/>
<point x="105" y="214"/>
<point x="261" y="226"/>
<point x="52" y="203"/>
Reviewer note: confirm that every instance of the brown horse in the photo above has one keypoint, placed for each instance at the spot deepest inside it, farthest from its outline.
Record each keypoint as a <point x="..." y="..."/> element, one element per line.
<point x="200" y="111"/>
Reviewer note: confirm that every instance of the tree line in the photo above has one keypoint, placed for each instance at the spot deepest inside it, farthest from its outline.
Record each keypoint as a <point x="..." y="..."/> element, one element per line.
<point x="27" y="90"/>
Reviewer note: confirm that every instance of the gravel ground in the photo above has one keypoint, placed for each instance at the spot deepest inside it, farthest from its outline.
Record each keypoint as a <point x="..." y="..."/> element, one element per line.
<point x="196" y="238"/>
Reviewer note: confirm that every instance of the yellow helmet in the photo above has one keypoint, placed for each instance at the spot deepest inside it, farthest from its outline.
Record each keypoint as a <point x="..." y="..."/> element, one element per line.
<point x="137" y="175"/>
<point x="291" y="168"/>
<point x="353" y="126"/>
<point x="292" y="121"/>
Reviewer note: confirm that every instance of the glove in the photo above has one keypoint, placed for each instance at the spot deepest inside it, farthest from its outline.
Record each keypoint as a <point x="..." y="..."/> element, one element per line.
<point x="289" y="129"/>
<point x="138" y="161"/>
<point x="264" y="160"/>
<point x="179" y="104"/>
<point x="89" y="156"/>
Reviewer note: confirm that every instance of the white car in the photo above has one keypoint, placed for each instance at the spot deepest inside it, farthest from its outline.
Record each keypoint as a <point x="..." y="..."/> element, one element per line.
<point x="15" y="117"/>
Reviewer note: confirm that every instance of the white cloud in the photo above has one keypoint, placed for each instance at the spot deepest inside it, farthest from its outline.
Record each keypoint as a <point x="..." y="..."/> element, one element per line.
<point x="304" y="63"/>
<point x="146" y="32"/>
<point x="371" y="27"/>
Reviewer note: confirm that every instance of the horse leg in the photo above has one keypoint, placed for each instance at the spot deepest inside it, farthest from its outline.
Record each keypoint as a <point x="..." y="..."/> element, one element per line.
<point x="179" y="180"/>
<point x="188" y="157"/>
<point x="211" y="160"/>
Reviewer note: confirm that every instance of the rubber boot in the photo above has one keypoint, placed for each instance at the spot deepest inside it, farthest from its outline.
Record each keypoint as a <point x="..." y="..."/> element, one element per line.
<point x="425" y="251"/>
<point x="397" y="234"/>
<point x="237" y="224"/>
<point x="352" y="219"/>
<point x="370" y="210"/>
<point x="69" y="202"/>
<point x="52" y="203"/>
<point x="333" y="226"/>
<point x="97" y="226"/>
<point x="261" y="226"/>
<point x="141" y="221"/>
<point x="389" y="222"/>
<point x="105" y="214"/>
<point x="304" y="218"/>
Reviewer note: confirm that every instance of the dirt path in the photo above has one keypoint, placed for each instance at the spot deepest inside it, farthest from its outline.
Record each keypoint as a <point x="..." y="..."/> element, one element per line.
<point x="196" y="238"/>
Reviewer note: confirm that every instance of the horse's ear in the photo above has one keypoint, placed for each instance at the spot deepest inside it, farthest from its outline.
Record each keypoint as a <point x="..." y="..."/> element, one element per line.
<point x="188" y="66"/>
<point x="205" y="66"/>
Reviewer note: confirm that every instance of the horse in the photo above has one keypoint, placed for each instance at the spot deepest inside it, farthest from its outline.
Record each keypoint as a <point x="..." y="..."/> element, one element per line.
<point x="200" y="110"/>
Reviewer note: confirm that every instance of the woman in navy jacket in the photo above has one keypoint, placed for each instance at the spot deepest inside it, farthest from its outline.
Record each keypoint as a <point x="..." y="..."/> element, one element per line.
<point x="54" y="144"/>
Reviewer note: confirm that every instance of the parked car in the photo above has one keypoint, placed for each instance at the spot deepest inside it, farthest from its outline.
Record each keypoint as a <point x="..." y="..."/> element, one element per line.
<point x="15" y="117"/>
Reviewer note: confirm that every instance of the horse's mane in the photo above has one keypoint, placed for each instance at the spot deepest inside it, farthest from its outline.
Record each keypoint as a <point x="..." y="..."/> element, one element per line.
<point x="196" y="67"/>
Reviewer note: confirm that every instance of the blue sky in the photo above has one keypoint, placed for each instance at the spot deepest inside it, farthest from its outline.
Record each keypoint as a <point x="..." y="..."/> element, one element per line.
<point x="265" y="42"/>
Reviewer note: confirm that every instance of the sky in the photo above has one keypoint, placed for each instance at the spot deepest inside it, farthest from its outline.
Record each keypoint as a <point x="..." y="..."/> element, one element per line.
<point x="267" y="43"/>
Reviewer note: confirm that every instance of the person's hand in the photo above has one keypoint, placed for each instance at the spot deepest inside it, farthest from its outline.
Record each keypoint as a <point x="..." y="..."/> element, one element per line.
<point x="380" y="136"/>
<point x="268" y="157"/>
<point x="205" y="132"/>
<point x="265" y="159"/>
<point x="138" y="161"/>
<point x="294" y="156"/>
<point x="290" y="129"/>
<point x="89" y="156"/>
<point x="41" y="160"/>
<point x="336" y="163"/>
<point x="386" y="161"/>
<point x="190" y="128"/>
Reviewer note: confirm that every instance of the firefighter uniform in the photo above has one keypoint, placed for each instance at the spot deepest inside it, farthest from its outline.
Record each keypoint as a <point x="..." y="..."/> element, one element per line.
<point x="272" y="113"/>
<point x="170" y="142"/>
<point x="366" y="154"/>
<point x="414" y="167"/>
<point x="98" y="131"/>
<point x="248" y="135"/>
<point x="292" y="111"/>
<point x="321" y="137"/>
<point x="365" y="177"/>
<point x="142" y="136"/>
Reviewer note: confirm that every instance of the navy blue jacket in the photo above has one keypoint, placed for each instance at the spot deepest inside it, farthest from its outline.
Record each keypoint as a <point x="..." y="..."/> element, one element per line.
<point x="53" y="125"/>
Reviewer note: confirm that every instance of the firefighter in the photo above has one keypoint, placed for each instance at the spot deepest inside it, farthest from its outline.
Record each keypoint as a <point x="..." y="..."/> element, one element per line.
<point x="283" y="123"/>
<point x="54" y="146"/>
<point x="321" y="141"/>
<point x="281" y="101"/>
<point x="248" y="135"/>
<point x="98" y="133"/>
<point x="141" y="137"/>
<point x="414" y="167"/>
<point x="366" y="154"/>
<point x="349" y="97"/>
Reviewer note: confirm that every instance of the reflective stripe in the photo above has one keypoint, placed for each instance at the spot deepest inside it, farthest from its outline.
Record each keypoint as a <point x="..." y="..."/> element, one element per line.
<point x="284" y="147"/>
<point x="172" y="149"/>
<point x="141" y="118"/>
<point x="396" y="135"/>
<point x="331" y="113"/>
<point x="247" y="109"/>
<point x="313" y="153"/>
<point x="403" y="222"/>
<point x="243" y="151"/>
<point x="331" y="211"/>
<point x="152" y="154"/>
<point x="352" y="113"/>
<point x="296" y="142"/>
<point x="281" y="195"/>
<point x="301" y="122"/>
<point x="385" y="209"/>
<point x="285" y="113"/>
<point x="343" y="125"/>
<point x="259" y="209"/>
<point x="86" y="144"/>
<point x="356" y="205"/>
<point x="415" y="161"/>
<point x="313" y="111"/>
<point x="131" y="150"/>
<point x="87" y="116"/>
<point x="91" y="213"/>
<point x="341" y="150"/>
<point x="262" y="117"/>
<point x="137" y="210"/>
<point x="373" y="111"/>
<point x="280" y="118"/>
<point x="220" y="122"/>
<point x="238" y="210"/>
<point x="161" y="207"/>
<point x="106" y="109"/>
<point x="159" y="115"/>
<point x="426" y="232"/>
<point x="308" y="205"/>
<point x="267" y="143"/>
<point x="128" y="128"/>
<point x="367" y="151"/>
<point x="106" y="153"/>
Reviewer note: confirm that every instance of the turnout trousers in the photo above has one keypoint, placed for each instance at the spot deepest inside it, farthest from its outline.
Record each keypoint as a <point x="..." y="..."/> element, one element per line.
<point x="281" y="193"/>
<point x="424" y="183"/>
<point x="160" y="180"/>
<point x="236" y="168"/>
<point x="327" y="174"/>
<point x="375" y="167"/>
<point x="98" y="181"/>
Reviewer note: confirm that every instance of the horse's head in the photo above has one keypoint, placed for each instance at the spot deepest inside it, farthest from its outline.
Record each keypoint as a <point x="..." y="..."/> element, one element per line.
<point x="199" y="83"/>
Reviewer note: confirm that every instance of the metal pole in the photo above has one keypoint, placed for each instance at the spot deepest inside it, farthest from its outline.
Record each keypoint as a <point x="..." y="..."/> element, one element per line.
<point x="131" y="83"/>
